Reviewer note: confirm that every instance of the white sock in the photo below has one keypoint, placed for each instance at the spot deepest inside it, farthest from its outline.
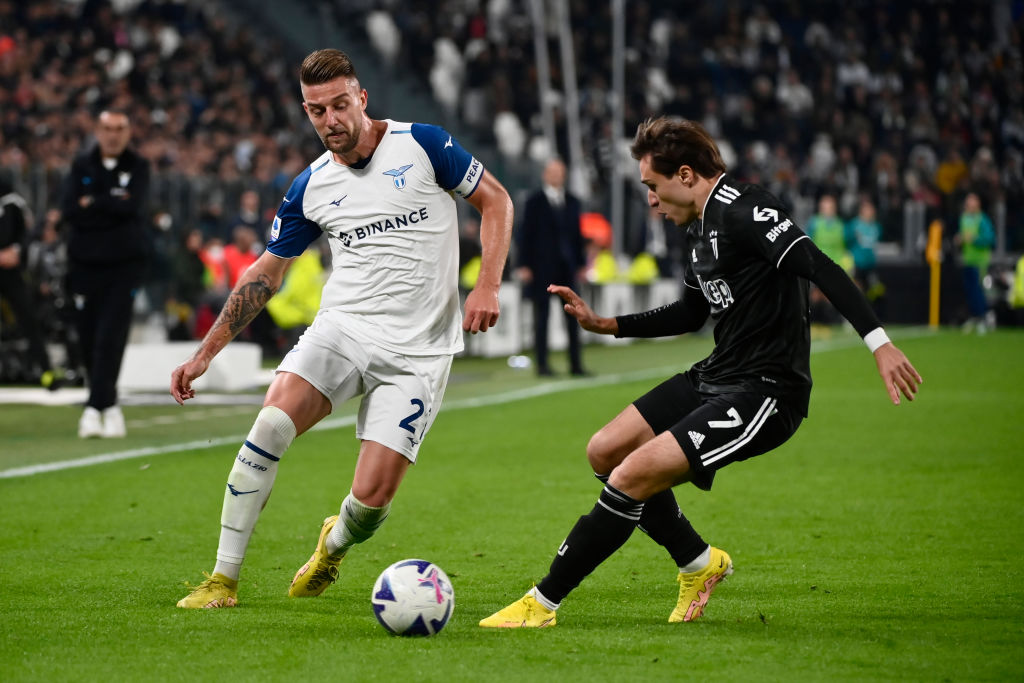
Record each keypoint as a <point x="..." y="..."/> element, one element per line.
<point x="539" y="597"/>
<point x="699" y="563"/>
<point x="249" y="484"/>
<point x="356" y="523"/>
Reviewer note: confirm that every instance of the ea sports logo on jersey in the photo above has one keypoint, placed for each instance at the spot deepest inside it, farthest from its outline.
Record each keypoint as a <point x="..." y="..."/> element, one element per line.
<point x="398" y="175"/>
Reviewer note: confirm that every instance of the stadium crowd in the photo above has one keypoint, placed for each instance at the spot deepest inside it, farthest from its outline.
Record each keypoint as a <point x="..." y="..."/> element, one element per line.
<point x="919" y="100"/>
<point x="893" y="100"/>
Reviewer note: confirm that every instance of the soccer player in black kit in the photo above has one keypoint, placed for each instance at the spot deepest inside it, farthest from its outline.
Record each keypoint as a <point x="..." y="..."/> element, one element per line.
<point x="747" y="266"/>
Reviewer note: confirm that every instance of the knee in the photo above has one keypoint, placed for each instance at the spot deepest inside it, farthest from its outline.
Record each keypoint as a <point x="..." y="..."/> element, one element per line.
<point x="374" y="494"/>
<point x="602" y="453"/>
<point x="630" y="482"/>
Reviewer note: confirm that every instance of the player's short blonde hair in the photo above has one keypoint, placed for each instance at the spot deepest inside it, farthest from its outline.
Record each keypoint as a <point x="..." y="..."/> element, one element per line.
<point x="323" y="66"/>
<point x="673" y="143"/>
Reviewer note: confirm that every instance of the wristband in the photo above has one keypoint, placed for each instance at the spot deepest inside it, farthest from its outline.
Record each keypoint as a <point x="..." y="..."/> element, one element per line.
<point x="876" y="338"/>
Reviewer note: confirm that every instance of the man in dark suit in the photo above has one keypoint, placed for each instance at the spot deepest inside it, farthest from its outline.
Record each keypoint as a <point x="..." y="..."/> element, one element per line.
<point x="550" y="252"/>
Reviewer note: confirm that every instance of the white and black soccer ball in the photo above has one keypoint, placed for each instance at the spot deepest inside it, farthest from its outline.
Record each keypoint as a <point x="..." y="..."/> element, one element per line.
<point x="413" y="598"/>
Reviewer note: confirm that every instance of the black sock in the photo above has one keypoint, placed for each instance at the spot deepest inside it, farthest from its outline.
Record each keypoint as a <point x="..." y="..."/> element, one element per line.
<point x="664" y="522"/>
<point x="595" y="536"/>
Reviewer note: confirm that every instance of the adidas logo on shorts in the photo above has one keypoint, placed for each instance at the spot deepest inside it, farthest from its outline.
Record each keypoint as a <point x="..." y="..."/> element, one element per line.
<point x="697" y="438"/>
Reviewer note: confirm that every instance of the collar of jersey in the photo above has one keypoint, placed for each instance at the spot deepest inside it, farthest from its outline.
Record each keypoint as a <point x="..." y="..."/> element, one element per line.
<point x="703" y="211"/>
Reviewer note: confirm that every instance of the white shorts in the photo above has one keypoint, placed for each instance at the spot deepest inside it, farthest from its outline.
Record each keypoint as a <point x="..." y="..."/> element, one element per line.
<point x="401" y="394"/>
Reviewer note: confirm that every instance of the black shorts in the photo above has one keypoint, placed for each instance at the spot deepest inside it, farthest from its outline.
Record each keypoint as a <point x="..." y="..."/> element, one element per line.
<point x="715" y="430"/>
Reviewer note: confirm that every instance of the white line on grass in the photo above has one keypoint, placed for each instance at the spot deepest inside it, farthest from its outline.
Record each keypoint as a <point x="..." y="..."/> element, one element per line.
<point x="459" y="404"/>
<point x="332" y="423"/>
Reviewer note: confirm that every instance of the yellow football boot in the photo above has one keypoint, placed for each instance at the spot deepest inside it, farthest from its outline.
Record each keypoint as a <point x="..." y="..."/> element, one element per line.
<point x="217" y="591"/>
<point x="320" y="571"/>
<point x="525" y="612"/>
<point x="695" y="587"/>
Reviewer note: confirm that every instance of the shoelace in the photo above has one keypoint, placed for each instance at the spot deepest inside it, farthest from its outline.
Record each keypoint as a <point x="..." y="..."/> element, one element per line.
<point x="328" y="574"/>
<point x="209" y="581"/>
<point x="686" y="582"/>
<point x="205" y="583"/>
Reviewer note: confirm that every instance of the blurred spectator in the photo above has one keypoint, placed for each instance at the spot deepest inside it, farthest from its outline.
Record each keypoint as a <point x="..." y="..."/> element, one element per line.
<point x="188" y="287"/>
<point x="16" y="293"/>
<point x="595" y="228"/>
<point x="863" y="233"/>
<point x="216" y="270"/>
<point x="795" y="97"/>
<point x="215" y="276"/>
<point x="47" y="270"/>
<point x="975" y="238"/>
<point x="243" y="250"/>
<point x="950" y="177"/>
<point x="104" y="204"/>
<point x="828" y="232"/>
<point x="248" y="215"/>
<point x="295" y="305"/>
<point x="162" y="243"/>
<point x="1017" y="294"/>
<point x="550" y="252"/>
<point x="470" y="251"/>
<point x="211" y="220"/>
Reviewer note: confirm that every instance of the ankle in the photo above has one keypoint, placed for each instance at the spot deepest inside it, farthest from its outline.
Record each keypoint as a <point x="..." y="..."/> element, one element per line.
<point x="698" y="563"/>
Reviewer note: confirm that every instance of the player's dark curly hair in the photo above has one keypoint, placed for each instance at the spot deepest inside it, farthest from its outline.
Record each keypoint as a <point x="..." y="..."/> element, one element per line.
<point x="677" y="142"/>
<point x="326" y="65"/>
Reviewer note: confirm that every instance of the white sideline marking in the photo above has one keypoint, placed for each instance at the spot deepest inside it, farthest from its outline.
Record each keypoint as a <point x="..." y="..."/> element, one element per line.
<point x="332" y="423"/>
<point x="461" y="404"/>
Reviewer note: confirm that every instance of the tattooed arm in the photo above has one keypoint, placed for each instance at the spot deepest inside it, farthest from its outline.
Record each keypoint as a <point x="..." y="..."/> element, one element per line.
<point x="258" y="283"/>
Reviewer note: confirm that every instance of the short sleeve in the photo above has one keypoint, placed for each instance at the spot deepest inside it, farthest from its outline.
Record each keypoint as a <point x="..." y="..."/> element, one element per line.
<point x="456" y="169"/>
<point x="291" y="231"/>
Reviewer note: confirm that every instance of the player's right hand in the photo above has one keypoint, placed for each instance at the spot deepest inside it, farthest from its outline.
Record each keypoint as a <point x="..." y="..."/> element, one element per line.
<point x="578" y="308"/>
<point x="482" y="309"/>
<point x="183" y="376"/>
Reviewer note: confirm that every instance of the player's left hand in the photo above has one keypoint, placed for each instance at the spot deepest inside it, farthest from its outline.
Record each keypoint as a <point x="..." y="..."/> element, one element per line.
<point x="482" y="310"/>
<point x="575" y="306"/>
<point x="897" y="372"/>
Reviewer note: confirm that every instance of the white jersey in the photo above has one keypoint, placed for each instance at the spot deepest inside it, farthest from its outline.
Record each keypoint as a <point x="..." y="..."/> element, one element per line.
<point x="391" y="223"/>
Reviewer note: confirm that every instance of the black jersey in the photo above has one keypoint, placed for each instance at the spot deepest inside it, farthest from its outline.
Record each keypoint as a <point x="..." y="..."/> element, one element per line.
<point x="762" y="316"/>
<point x="111" y="230"/>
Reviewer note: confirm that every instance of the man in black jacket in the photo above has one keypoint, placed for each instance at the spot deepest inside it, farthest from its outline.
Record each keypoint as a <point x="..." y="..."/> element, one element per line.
<point x="550" y="252"/>
<point x="104" y="205"/>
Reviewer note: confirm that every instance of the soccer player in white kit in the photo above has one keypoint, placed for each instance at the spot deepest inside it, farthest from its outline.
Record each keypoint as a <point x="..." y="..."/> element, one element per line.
<point x="389" y="322"/>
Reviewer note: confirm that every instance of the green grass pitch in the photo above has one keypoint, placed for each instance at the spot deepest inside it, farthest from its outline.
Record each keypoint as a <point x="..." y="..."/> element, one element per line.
<point x="880" y="543"/>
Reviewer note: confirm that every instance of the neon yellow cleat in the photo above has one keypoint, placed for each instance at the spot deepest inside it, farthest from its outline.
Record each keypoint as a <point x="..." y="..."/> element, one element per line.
<point x="523" y="613"/>
<point x="320" y="571"/>
<point x="695" y="587"/>
<point x="217" y="591"/>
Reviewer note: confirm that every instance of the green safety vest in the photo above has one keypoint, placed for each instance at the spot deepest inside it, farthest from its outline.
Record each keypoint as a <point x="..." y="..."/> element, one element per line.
<point x="976" y="240"/>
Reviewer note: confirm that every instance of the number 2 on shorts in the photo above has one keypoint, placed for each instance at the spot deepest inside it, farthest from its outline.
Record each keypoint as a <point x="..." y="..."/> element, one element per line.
<point x="407" y="422"/>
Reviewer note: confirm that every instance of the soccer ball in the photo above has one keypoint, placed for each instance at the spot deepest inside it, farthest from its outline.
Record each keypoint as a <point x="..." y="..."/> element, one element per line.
<point x="413" y="598"/>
